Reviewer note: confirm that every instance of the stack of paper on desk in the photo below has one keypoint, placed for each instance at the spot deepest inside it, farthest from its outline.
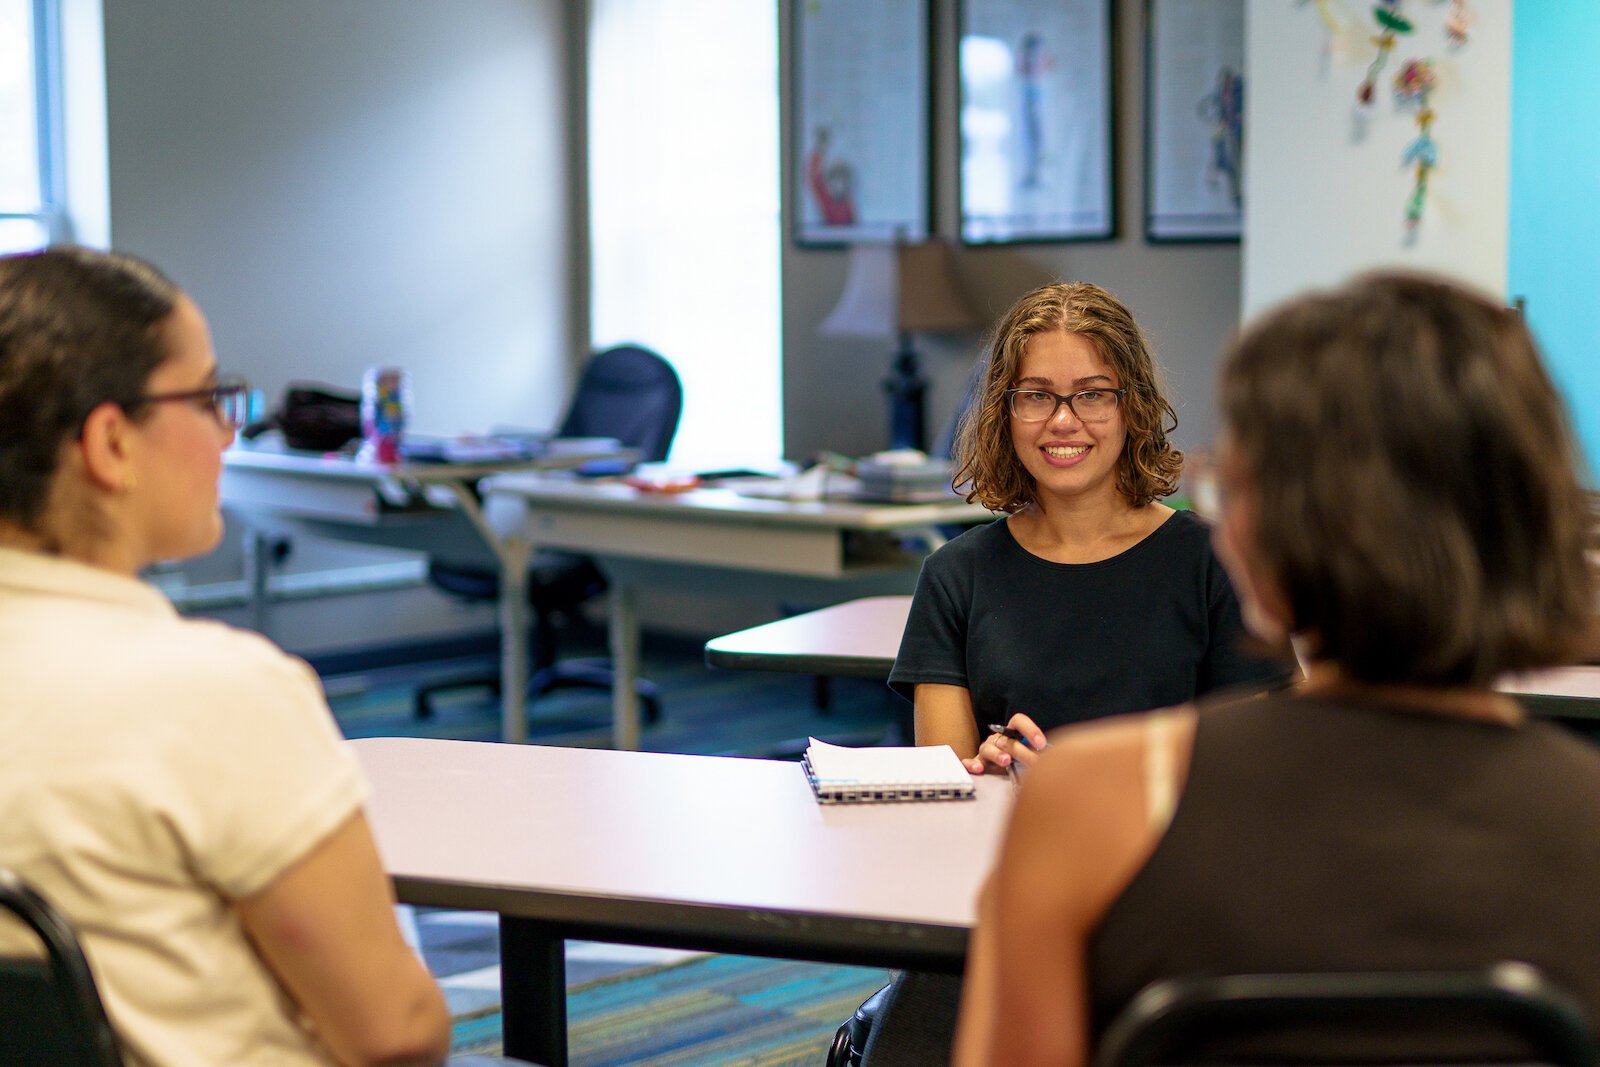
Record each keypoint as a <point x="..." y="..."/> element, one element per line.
<point x="905" y="483"/>
<point x="870" y="775"/>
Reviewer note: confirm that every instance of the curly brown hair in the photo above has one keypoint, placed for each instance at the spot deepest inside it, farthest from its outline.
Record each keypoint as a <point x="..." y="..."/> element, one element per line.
<point x="1415" y="482"/>
<point x="988" y="469"/>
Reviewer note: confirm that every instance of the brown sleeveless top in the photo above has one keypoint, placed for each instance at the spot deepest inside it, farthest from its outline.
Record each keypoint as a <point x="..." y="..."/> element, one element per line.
<point x="1315" y="836"/>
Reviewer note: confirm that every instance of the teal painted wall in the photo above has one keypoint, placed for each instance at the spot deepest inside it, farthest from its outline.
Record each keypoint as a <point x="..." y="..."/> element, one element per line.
<point x="1554" y="246"/>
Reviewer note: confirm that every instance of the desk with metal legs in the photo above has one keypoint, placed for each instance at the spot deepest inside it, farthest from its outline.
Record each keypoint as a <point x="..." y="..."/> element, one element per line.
<point x="395" y="506"/>
<point x="717" y="540"/>
<point x="861" y="638"/>
<point x="692" y="852"/>
<point x="1570" y="693"/>
<point x="857" y="639"/>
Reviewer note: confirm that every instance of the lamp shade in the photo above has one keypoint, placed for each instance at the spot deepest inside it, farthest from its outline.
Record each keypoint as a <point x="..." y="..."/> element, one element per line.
<point x="900" y="288"/>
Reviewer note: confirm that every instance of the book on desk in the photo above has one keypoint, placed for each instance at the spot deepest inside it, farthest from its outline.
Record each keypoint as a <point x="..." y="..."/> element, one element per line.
<point x="498" y="447"/>
<point x="840" y="775"/>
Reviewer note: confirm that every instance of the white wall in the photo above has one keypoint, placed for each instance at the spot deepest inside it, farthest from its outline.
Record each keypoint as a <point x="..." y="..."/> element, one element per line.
<point x="360" y="182"/>
<point x="348" y="183"/>
<point x="1326" y="191"/>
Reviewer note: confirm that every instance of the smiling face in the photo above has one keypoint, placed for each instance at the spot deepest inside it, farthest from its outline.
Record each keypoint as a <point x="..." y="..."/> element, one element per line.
<point x="1068" y="458"/>
<point x="181" y="443"/>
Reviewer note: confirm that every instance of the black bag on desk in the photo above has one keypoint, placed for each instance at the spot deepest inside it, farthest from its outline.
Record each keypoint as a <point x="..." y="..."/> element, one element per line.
<point x="314" y="417"/>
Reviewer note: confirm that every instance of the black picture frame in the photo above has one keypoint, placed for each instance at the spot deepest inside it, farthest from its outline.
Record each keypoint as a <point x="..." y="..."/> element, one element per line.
<point x="860" y="121"/>
<point x="1194" y="121"/>
<point x="1036" y="120"/>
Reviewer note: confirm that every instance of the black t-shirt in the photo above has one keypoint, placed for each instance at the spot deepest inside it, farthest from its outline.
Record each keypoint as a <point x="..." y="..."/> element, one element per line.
<point x="1153" y="626"/>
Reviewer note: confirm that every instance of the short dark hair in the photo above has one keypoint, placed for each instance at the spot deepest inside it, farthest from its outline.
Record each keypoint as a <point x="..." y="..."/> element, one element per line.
<point x="1416" y="482"/>
<point x="77" y="328"/>
<point x="988" y="468"/>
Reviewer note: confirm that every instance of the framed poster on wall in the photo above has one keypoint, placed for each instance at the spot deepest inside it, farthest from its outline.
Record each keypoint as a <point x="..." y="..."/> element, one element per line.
<point x="1194" y="120"/>
<point x="860" y="121"/>
<point x="1036" y="120"/>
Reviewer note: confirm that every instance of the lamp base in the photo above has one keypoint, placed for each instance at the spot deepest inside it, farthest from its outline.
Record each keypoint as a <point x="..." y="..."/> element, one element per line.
<point x="906" y="389"/>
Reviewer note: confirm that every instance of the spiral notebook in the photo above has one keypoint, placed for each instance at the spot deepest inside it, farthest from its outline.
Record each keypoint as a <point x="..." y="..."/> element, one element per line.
<point x="841" y="775"/>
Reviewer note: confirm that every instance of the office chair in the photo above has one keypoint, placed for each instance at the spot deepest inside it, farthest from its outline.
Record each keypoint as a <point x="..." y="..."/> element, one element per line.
<point x="50" y="1009"/>
<point x="626" y="392"/>
<point x="1508" y="1013"/>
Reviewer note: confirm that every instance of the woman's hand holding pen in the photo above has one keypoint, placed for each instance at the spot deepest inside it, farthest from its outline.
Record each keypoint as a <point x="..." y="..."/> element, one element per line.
<point x="1018" y="742"/>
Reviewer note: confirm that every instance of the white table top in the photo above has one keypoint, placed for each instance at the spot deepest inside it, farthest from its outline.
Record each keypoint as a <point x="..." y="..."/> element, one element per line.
<point x="268" y="453"/>
<point x="1581" y="682"/>
<point x="860" y="638"/>
<point x="1559" y="692"/>
<point x="673" y="843"/>
<point x="730" y="506"/>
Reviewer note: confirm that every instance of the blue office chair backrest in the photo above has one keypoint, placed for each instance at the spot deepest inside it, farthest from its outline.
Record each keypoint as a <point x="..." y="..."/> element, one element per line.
<point x="629" y="393"/>
<point x="50" y="1010"/>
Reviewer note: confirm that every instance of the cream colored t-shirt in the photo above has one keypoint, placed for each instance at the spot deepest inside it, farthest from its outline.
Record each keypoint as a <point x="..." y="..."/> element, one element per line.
<point x="152" y="769"/>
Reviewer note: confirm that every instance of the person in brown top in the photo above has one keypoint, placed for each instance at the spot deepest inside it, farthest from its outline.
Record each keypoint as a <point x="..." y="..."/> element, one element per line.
<point x="1401" y="500"/>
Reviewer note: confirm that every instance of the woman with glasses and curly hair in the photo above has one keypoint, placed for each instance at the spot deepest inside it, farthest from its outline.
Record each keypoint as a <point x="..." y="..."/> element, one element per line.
<point x="1091" y="597"/>
<point x="176" y="787"/>
<point x="1401" y="497"/>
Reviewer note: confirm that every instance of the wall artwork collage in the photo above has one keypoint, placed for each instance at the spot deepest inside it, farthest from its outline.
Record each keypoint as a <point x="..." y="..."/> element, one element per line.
<point x="1036" y="120"/>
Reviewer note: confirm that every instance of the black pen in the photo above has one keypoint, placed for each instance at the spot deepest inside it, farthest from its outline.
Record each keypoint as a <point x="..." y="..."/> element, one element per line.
<point x="1015" y="735"/>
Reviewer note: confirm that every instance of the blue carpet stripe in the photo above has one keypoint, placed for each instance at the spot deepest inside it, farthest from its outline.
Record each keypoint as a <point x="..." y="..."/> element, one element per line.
<point x="713" y="1011"/>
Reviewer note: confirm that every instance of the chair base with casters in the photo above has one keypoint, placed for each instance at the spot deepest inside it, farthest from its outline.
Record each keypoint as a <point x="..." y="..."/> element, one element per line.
<point x="558" y="583"/>
<point x="563" y="674"/>
<point x="625" y="392"/>
<point x="850" y="1041"/>
<point x="1508" y="1013"/>
<point x="593" y="674"/>
<point x="50" y="1009"/>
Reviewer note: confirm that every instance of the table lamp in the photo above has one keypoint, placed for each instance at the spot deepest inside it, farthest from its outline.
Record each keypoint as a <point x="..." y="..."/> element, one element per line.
<point x="898" y="290"/>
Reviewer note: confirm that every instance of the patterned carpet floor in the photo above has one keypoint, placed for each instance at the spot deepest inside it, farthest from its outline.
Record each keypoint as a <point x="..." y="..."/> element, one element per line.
<point x="628" y="1005"/>
<point x="700" y="1012"/>
<point x="706" y="711"/>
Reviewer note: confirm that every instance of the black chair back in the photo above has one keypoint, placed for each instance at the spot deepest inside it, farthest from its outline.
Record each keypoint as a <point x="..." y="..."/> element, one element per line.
<point x="629" y="393"/>
<point x="50" y="1010"/>
<point x="1508" y="1013"/>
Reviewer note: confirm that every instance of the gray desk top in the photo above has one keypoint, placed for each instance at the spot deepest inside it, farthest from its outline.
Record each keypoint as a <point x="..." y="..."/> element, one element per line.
<point x="684" y="845"/>
<point x="1560" y="692"/>
<point x="859" y="638"/>
<point x="716" y="504"/>
<point x="269" y="454"/>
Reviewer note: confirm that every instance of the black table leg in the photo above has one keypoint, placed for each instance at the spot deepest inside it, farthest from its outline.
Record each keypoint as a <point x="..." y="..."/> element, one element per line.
<point x="533" y="992"/>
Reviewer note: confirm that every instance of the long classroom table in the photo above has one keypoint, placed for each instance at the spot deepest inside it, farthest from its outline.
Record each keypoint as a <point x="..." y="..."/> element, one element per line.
<point x="719" y="540"/>
<point x="692" y="852"/>
<point x="860" y="638"/>
<point x="422" y="507"/>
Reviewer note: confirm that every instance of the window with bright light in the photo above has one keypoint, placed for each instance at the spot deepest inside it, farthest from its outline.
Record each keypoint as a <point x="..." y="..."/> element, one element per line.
<point x="29" y="201"/>
<point x="684" y="210"/>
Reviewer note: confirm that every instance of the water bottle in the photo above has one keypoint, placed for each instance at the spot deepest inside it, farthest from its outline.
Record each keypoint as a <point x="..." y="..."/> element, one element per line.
<point x="385" y="407"/>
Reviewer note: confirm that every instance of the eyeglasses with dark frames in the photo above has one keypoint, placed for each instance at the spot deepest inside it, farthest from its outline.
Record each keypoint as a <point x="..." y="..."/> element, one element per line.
<point x="1041" y="405"/>
<point x="228" y="401"/>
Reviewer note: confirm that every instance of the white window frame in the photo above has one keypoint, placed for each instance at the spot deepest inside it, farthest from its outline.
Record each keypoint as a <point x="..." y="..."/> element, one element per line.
<point x="51" y="212"/>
